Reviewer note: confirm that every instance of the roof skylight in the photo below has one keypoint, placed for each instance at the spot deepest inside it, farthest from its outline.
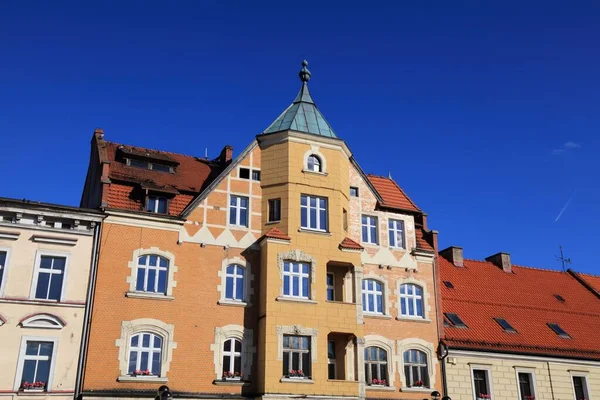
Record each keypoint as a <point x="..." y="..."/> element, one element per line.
<point x="449" y="284"/>
<point x="455" y="320"/>
<point x="558" y="330"/>
<point x="505" y="325"/>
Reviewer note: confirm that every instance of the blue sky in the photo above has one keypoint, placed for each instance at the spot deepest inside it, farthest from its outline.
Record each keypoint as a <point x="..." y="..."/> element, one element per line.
<point x="486" y="114"/>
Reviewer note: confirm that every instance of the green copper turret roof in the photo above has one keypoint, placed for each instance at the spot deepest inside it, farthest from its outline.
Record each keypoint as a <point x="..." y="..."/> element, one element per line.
<point x="302" y="115"/>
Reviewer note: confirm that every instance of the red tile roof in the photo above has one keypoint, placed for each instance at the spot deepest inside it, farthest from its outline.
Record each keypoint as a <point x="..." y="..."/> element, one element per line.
<point x="275" y="233"/>
<point x="593" y="281"/>
<point x="350" y="244"/>
<point x="393" y="196"/>
<point x="525" y="298"/>
<point x="422" y="243"/>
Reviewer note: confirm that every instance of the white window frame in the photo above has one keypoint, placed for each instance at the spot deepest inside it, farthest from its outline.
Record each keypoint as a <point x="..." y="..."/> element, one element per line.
<point x="330" y="287"/>
<point x="236" y="277"/>
<point x="240" y="333"/>
<point x="318" y="212"/>
<point x="318" y="164"/>
<point x="289" y="353"/>
<point x="21" y="362"/>
<point x="414" y="298"/>
<point x="43" y="321"/>
<point x="232" y="355"/>
<point x="158" y="270"/>
<point x="36" y="273"/>
<point x="372" y="222"/>
<point x="488" y="371"/>
<point x="301" y="275"/>
<point x="389" y="360"/>
<point x="4" y="269"/>
<point x="238" y="207"/>
<point x="132" y="277"/>
<point x="139" y="349"/>
<point x="411" y="364"/>
<point x="395" y="231"/>
<point x="156" y="203"/>
<point x="532" y="383"/>
<point x="373" y="292"/>
<point x="271" y="203"/>
<point x="585" y="376"/>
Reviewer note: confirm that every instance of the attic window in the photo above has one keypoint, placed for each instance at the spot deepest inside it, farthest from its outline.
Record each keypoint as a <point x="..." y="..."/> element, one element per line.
<point x="244" y="173"/>
<point x="143" y="164"/>
<point x="505" y="325"/>
<point x="455" y="321"/>
<point x="559" y="331"/>
<point x="157" y="204"/>
<point x="448" y="284"/>
<point x="559" y="298"/>
<point x="353" y="191"/>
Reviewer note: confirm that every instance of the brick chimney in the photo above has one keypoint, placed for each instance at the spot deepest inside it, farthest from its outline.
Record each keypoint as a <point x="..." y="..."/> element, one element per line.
<point x="501" y="260"/>
<point x="226" y="155"/>
<point x="454" y="254"/>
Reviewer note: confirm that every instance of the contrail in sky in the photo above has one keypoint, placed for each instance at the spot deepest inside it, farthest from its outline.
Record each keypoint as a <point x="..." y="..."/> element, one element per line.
<point x="564" y="208"/>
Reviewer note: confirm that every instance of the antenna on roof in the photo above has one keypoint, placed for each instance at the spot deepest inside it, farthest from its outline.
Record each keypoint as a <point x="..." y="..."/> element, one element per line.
<point x="564" y="261"/>
<point x="206" y="153"/>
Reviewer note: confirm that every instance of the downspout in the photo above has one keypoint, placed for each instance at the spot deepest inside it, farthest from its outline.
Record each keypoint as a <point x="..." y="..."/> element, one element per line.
<point x="550" y="379"/>
<point x="439" y="311"/>
<point x="444" y="351"/>
<point x="87" y="320"/>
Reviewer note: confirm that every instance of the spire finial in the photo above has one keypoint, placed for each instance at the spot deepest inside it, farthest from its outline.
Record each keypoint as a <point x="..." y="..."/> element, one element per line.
<point x="304" y="72"/>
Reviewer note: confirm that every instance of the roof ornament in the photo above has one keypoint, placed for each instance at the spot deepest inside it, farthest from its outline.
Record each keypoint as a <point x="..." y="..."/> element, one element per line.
<point x="304" y="73"/>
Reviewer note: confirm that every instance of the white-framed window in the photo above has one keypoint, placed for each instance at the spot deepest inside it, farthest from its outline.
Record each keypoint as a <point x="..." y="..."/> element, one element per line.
<point x="313" y="163"/>
<point x="4" y="259"/>
<point x="396" y="233"/>
<point x="274" y="210"/>
<point x="411" y="300"/>
<point x="49" y="276"/>
<point x="152" y="274"/>
<point x="145" y="354"/>
<point x="36" y="363"/>
<point x="296" y="279"/>
<point x="526" y="381"/>
<point x="234" y="282"/>
<point x="331" y="360"/>
<point x="157" y="204"/>
<point x="330" y="287"/>
<point x="372" y="296"/>
<point x="580" y="387"/>
<point x="482" y="383"/>
<point x="369" y="229"/>
<point x="416" y="370"/>
<point x="313" y="212"/>
<point x="296" y="356"/>
<point x="238" y="210"/>
<point x="232" y="359"/>
<point x="376" y="366"/>
<point x="256" y="175"/>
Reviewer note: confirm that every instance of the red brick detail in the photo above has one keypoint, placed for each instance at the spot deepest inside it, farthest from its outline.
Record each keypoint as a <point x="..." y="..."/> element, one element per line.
<point x="350" y="244"/>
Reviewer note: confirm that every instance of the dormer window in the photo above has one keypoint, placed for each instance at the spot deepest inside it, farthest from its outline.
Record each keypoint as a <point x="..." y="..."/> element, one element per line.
<point x="154" y="166"/>
<point x="157" y="204"/>
<point x="314" y="164"/>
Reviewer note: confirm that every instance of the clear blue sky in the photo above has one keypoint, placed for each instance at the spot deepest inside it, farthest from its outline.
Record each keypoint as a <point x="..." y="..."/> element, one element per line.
<point x="488" y="116"/>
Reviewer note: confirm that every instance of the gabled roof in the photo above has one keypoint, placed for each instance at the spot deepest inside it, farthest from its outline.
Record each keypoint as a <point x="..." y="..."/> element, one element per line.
<point x="350" y="244"/>
<point x="391" y="194"/>
<point x="275" y="233"/>
<point x="526" y="299"/>
<point x="302" y="115"/>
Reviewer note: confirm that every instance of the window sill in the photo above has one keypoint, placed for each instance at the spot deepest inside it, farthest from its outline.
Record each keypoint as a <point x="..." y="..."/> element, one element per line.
<point x="308" y="171"/>
<point x="381" y="388"/>
<point x="152" y="296"/>
<point x="273" y="222"/>
<point x="413" y="319"/>
<point x="230" y="382"/>
<point x="318" y="232"/>
<point x="297" y="380"/>
<point x="380" y="316"/>
<point x="372" y="245"/>
<point x="233" y="303"/>
<point x="296" y="300"/>
<point x="416" y="390"/>
<point x="150" y="379"/>
<point x="395" y="248"/>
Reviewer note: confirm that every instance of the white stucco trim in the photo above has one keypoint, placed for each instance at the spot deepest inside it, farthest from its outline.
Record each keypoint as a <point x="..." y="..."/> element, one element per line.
<point x="580" y="374"/>
<point x="5" y="269"/>
<point x="133" y="264"/>
<point x="129" y="328"/>
<point x="533" y="380"/>
<point x="298" y="256"/>
<point x="248" y="279"/>
<point x="19" y="372"/>
<point x="246" y="336"/>
<point x="426" y="302"/>
<point x="424" y="346"/>
<point x="488" y="369"/>
<point x="298" y="331"/>
<point x="314" y="149"/>
<point x="44" y="321"/>
<point x="386" y="294"/>
<point x="36" y="271"/>
<point x="389" y="346"/>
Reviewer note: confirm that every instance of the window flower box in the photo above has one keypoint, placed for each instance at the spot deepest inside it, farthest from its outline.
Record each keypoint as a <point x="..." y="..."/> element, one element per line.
<point x="378" y="382"/>
<point x="142" y="372"/>
<point x="529" y="397"/>
<point x="33" y="386"/>
<point x="418" y="384"/>
<point x="296" y="374"/>
<point x="232" y="376"/>
<point x="482" y="396"/>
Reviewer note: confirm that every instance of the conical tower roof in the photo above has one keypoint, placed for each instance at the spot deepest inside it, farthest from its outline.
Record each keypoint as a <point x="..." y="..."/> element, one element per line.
<point x="302" y="115"/>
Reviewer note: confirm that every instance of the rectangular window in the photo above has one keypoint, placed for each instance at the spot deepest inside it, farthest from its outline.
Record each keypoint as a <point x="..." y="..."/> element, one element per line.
<point x="353" y="191"/>
<point x="274" y="210"/>
<point x="2" y="268"/>
<point x="526" y="388"/>
<point x="238" y="211"/>
<point x="345" y="219"/>
<point x="50" y="276"/>
<point x="255" y="175"/>
<point x="160" y="167"/>
<point x="331" y="360"/>
<point x="396" y="233"/>
<point x="313" y="212"/>
<point x="580" y="388"/>
<point x="296" y="279"/>
<point x="157" y="204"/>
<point x="296" y="356"/>
<point x="330" y="287"/>
<point x="448" y="284"/>
<point x="138" y="164"/>
<point x="244" y="173"/>
<point x="481" y="383"/>
<point x="369" y="229"/>
<point x="36" y="365"/>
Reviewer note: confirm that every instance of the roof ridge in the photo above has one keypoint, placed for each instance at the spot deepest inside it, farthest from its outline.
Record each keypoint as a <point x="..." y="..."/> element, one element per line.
<point x="161" y="151"/>
<point x="513" y="305"/>
<point x="516" y="265"/>
<point x="586" y="274"/>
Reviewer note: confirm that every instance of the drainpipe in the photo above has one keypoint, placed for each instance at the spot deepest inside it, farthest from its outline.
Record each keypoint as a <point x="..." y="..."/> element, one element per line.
<point x="87" y="320"/>
<point x="444" y="351"/>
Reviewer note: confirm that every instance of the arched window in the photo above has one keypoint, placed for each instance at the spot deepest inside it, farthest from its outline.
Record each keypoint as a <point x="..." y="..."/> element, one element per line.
<point x="411" y="300"/>
<point x="234" y="282"/>
<point x="232" y="359"/>
<point x="145" y="354"/>
<point x="415" y="368"/>
<point x="376" y="366"/>
<point x="313" y="163"/>
<point x="152" y="273"/>
<point x="372" y="296"/>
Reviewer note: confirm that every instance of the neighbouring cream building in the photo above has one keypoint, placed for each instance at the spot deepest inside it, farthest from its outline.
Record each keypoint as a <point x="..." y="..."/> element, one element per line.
<point x="47" y="254"/>
<point x="514" y="332"/>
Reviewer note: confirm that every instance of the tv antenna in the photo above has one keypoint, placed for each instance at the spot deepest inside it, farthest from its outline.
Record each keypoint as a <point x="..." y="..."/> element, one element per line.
<point x="564" y="261"/>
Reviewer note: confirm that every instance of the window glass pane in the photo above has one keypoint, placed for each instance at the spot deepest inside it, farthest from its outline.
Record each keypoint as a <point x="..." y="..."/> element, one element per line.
<point x="239" y="289"/>
<point x="162" y="282"/>
<point x="46" y="348"/>
<point x="45" y="262"/>
<point x="56" y="282"/>
<point x="59" y="263"/>
<point x="151" y="204"/>
<point x="134" y="340"/>
<point x="232" y="215"/>
<point x="286" y="365"/>
<point x="244" y="217"/>
<point x="238" y="346"/>
<point x="155" y="364"/>
<point x="142" y="260"/>
<point x="304" y="268"/>
<point x="303" y="200"/>
<point x="237" y="364"/>
<point x="146" y="340"/>
<point x="305" y="287"/>
<point x="132" y="362"/>
<point x="144" y="361"/>
<point x="227" y="345"/>
<point x="296" y="361"/>
<point x="323" y="219"/>
<point x="313" y="218"/>
<point x="28" y="371"/>
<point x="151" y="280"/>
<point x="306" y="363"/>
<point x="304" y="217"/>
<point x="157" y="342"/>
<point x="331" y="371"/>
<point x="286" y="342"/>
<point x="153" y="260"/>
<point x="139" y="283"/>
<point x="379" y="303"/>
<point x="41" y="292"/>
<point x="162" y="206"/>
<point x="229" y="288"/>
<point x="163" y="262"/>
<point x="286" y="285"/>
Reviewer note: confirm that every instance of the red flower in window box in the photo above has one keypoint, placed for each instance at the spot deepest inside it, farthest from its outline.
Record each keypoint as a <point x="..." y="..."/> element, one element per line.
<point x="378" y="382"/>
<point x="296" y="373"/>
<point x="39" y="385"/>
<point x="232" y="375"/>
<point x="142" y="372"/>
<point x="418" y="383"/>
<point x="529" y="397"/>
<point x="484" y="396"/>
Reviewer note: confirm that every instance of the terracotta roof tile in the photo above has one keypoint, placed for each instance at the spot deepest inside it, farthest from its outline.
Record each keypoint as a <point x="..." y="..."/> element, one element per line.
<point x="275" y="233"/>
<point x="526" y="299"/>
<point x="592" y="280"/>
<point x="393" y="196"/>
<point x="350" y="244"/>
<point x="422" y="242"/>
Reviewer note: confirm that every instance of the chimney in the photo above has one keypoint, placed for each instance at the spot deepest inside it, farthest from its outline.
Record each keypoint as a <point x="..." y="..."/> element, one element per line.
<point x="454" y="254"/>
<point x="501" y="260"/>
<point x="226" y="155"/>
<point x="99" y="133"/>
